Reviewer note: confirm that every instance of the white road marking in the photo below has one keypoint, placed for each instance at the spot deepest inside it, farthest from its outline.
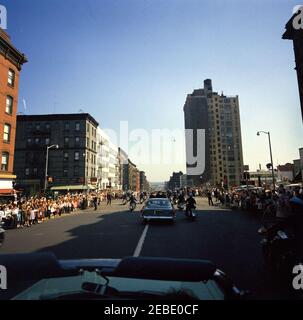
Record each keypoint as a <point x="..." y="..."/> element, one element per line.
<point x="141" y="242"/>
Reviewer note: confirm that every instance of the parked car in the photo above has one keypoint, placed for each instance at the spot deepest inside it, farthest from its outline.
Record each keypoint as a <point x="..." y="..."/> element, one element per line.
<point x="40" y="276"/>
<point x="158" y="209"/>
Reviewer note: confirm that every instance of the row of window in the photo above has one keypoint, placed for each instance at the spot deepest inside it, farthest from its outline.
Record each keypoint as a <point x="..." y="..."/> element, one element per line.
<point x="47" y="126"/>
<point x="46" y="141"/>
<point x="93" y="130"/>
<point x="35" y="171"/>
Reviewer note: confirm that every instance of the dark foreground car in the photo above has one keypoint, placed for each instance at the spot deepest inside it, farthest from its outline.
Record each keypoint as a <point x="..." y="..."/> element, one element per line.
<point x="41" y="276"/>
<point x="158" y="209"/>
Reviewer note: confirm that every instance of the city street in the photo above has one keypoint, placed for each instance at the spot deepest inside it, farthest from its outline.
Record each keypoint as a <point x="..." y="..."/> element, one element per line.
<point x="228" y="238"/>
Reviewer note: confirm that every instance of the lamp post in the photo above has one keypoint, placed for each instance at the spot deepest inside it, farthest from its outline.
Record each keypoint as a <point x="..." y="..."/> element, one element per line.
<point x="270" y="151"/>
<point x="84" y="157"/>
<point x="46" y="164"/>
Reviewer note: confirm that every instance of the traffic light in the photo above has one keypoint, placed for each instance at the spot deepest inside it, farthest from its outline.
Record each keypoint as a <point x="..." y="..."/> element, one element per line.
<point x="268" y="166"/>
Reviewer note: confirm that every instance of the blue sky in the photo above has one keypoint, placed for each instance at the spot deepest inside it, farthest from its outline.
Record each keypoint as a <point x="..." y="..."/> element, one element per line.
<point x="136" y="60"/>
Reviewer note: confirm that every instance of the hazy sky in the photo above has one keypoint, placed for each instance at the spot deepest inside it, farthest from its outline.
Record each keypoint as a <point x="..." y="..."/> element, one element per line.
<point x="136" y="60"/>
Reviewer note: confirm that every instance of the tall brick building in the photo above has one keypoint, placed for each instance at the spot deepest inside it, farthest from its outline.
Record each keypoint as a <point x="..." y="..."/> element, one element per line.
<point x="11" y="61"/>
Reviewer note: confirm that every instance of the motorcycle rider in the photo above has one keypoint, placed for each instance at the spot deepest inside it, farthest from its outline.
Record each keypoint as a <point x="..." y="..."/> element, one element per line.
<point x="132" y="200"/>
<point x="190" y="203"/>
<point x="141" y="197"/>
<point x="181" y="199"/>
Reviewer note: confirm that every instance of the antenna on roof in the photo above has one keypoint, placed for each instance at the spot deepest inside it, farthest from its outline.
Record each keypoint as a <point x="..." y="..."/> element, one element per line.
<point x="80" y="111"/>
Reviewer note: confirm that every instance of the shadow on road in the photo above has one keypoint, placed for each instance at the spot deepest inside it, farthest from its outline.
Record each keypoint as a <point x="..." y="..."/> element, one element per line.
<point x="115" y="235"/>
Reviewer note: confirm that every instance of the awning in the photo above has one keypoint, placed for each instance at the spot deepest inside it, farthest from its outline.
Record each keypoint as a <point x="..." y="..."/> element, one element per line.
<point x="6" y="192"/>
<point x="7" y="176"/>
<point x="73" y="188"/>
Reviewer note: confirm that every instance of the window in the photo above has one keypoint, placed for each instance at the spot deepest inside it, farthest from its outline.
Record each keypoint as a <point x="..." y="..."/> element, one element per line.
<point x="65" y="172"/>
<point x="76" y="171"/>
<point x="7" y="132"/>
<point x="37" y="126"/>
<point x="35" y="171"/>
<point x="9" y="105"/>
<point x="47" y="141"/>
<point x="4" y="161"/>
<point x="76" y="155"/>
<point x="11" y="78"/>
<point x="66" y="126"/>
<point x="77" y="140"/>
<point x="47" y="126"/>
<point x="37" y="140"/>
<point x="77" y="126"/>
<point x="66" y="141"/>
<point x="27" y="171"/>
<point x="29" y="141"/>
<point x="87" y="142"/>
<point x="65" y="156"/>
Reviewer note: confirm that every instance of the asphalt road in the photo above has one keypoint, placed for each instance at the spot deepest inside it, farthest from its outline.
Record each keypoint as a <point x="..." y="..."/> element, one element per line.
<point x="226" y="237"/>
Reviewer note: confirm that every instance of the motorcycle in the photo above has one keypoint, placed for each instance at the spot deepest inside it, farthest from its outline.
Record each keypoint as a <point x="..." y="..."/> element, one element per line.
<point x="181" y="206"/>
<point x="278" y="247"/>
<point x="189" y="212"/>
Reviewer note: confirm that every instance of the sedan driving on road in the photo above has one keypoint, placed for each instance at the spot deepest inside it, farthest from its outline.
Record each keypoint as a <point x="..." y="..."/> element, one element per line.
<point x="158" y="209"/>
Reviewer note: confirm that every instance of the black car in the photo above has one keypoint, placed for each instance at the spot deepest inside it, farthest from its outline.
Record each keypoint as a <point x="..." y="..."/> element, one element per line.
<point x="158" y="209"/>
<point x="40" y="276"/>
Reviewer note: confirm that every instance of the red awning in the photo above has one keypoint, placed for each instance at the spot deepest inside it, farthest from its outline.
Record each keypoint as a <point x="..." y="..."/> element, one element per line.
<point x="6" y="192"/>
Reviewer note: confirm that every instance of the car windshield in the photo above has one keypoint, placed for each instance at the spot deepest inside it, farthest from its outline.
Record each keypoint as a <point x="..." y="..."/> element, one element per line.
<point x="158" y="203"/>
<point x="118" y="287"/>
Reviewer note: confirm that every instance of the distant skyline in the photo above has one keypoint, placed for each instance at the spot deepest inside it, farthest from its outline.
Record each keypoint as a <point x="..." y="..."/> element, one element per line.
<point x="136" y="60"/>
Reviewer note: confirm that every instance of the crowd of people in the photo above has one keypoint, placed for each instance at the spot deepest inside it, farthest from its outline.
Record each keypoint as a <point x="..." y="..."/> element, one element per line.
<point x="26" y="212"/>
<point x="279" y="202"/>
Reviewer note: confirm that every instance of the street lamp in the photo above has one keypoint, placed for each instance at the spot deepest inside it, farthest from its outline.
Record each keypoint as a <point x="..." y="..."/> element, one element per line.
<point x="272" y="165"/>
<point x="85" y="159"/>
<point x="46" y="165"/>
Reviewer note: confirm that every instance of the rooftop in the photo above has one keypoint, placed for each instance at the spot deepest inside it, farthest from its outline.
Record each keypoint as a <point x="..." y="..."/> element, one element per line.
<point x="56" y="117"/>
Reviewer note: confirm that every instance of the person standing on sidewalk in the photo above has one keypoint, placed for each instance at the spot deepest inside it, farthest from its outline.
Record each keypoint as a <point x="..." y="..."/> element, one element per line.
<point x="95" y="201"/>
<point x="209" y="196"/>
<point x="109" y="199"/>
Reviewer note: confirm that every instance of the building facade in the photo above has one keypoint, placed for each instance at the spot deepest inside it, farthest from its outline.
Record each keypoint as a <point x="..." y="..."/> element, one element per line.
<point x="219" y="116"/>
<point x="144" y="185"/>
<point x="102" y="159"/>
<point x="113" y="174"/>
<point x="11" y="61"/>
<point x="73" y="163"/>
<point x="175" y="180"/>
<point x="122" y="161"/>
<point x="131" y="177"/>
<point x="296" y="35"/>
